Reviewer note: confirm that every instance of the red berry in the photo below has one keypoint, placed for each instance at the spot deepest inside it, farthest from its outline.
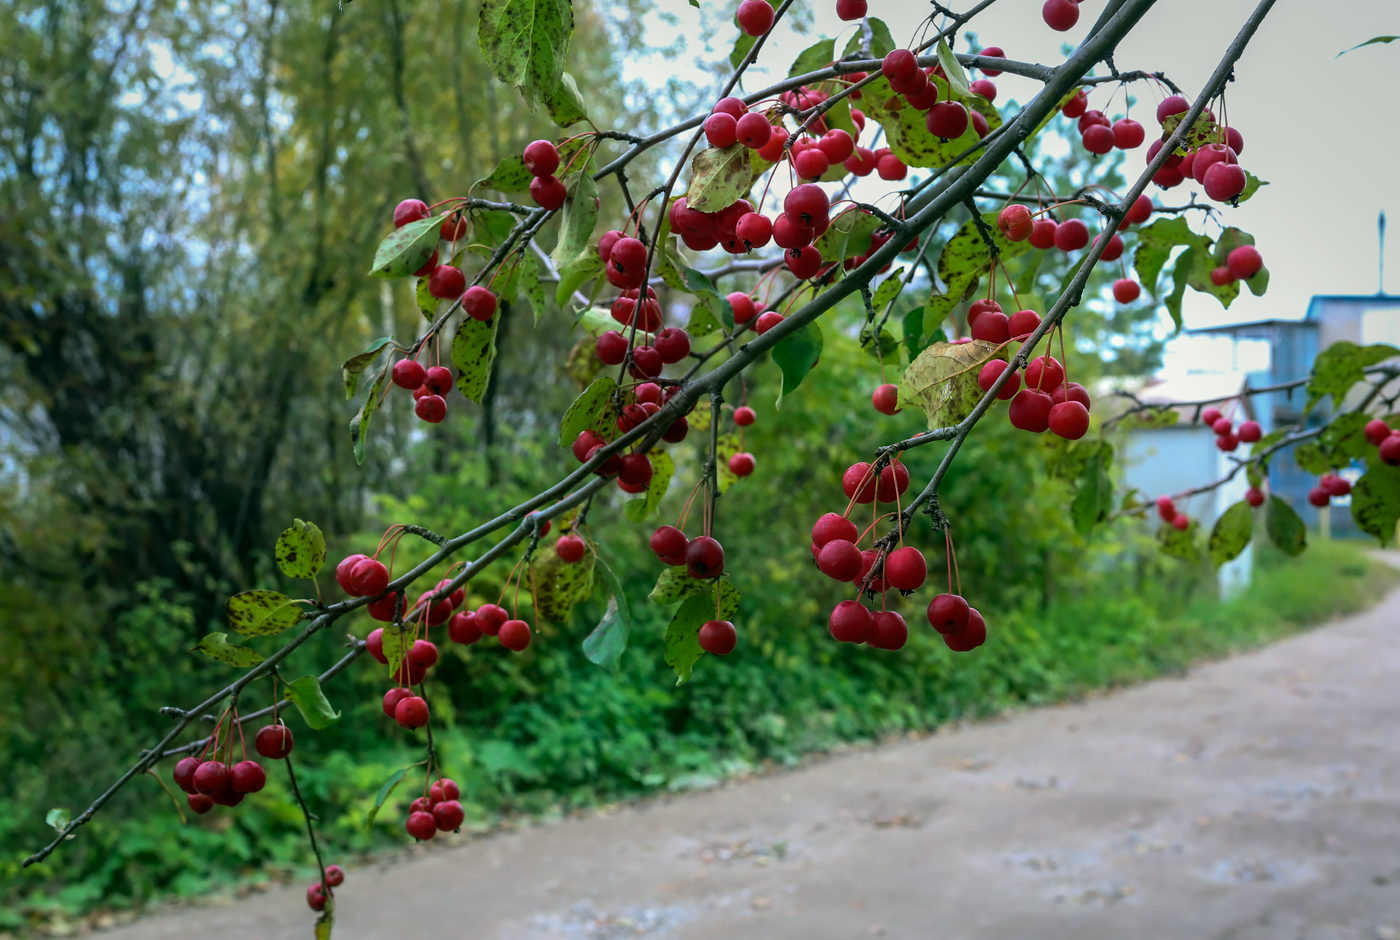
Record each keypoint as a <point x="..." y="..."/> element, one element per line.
<point x="335" y="876"/>
<point x="431" y="408"/>
<point x="408" y="374"/>
<point x="704" y="558"/>
<point x="1250" y="431"/>
<point x="894" y="480"/>
<point x="1060" y="15"/>
<point x="1317" y="496"/>
<point x="993" y="326"/>
<point x="393" y="697"/>
<point x="753" y="130"/>
<point x="1390" y="450"/>
<point x="1071" y="392"/>
<point x="635" y="470"/>
<point x="1069" y="419"/>
<point x="810" y="164"/>
<point x="899" y="66"/>
<point x="1098" y="139"/>
<point x="803" y="263"/>
<point x="718" y="637"/>
<point x="839" y="560"/>
<point x="611" y="348"/>
<point x="669" y="544"/>
<point x="342" y="573"/>
<point x="888" y="631"/>
<point x="1022" y="323"/>
<point x="948" y="613"/>
<point x="411" y="712"/>
<point x="462" y="628"/>
<point x="1254" y="496"/>
<point x="673" y="343"/>
<point x="548" y="192"/>
<point x="479" y="303"/>
<point x="199" y="803"/>
<point x="438" y="380"/>
<point x="890" y="167"/>
<point x="849" y="622"/>
<point x="422" y="826"/>
<point x="1174" y="104"/>
<point x="721" y="130"/>
<point x="1044" y="373"/>
<point x="831" y="527"/>
<point x="1140" y="211"/>
<point x="858" y="476"/>
<point x="447" y="282"/>
<point x="274" y="742"/>
<point x="886" y="399"/>
<point x="1071" y="235"/>
<point x="1126" y="290"/>
<point x="646" y="363"/>
<point x="989" y="374"/>
<point x="448" y="815"/>
<point x="1227" y="442"/>
<point x="211" y="778"/>
<point x="906" y="569"/>
<point x="1015" y="223"/>
<point x="741" y="464"/>
<point x="807" y="203"/>
<point x="1376" y="432"/>
<point x="184" y="773"/>
<point x="1128" y="134"/>
<point x="1043" y="234"/>
<point x="1224" y="182"/>
<point x="570" y="548"/>
<point x="1075" y="106"/>
<point x="744" y="416"/>
<point x="766" y="321"/>
<point x="515" y="635"/>
<point x="969" y="637"/>
<point x="489" y="618"/>
<point x="247" y="776"/>
<point x="1244" y="262"/>
<point x="947" y="119"/>
<point x="410" y="210"/>
<point x="316" y="897"/>
<point x="1030" y="410"/>
<point x="1221" y="276"/>
<point x="1210" y="416"/>
<point x="541" y="158"/>
<point x="755" y="17"/>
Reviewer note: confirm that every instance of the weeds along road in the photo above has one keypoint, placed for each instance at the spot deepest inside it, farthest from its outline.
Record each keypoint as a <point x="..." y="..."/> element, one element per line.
<point x="1253" y="798"/>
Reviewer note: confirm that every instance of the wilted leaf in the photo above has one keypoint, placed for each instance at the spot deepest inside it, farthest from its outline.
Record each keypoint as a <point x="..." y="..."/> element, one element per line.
<point x="526" y="43"/>
<point x="718" y="178"/>
<point x="473" y="354"/>
<point x="300" y="550"/>
<point x="261" y="613"/>
<point x="942" y="381"/>
<point x="354" y="366"/>
<point x="559" y="584"/>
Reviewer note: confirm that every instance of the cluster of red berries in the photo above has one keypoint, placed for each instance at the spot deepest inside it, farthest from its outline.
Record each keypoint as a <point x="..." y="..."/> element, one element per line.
<point x="1329" y="486"/>
<point x="1386" y="438"/>
<point x="317" y="894"/>
<point x="947" y="119"/>
<point x="1098" y="134"/>
<point x="1017" y="223"/>
<point x="213" y="782"/>
<point x="1227" y="436"/>
<point x="703" y="557"/>
<point x="1241" y="264"/>
<point x="429" y="386"/>
<point x="542" y="159"/>
<point x="1047" y="403"/>
<point x="1166" y="508"/>
<point x="439" y="811"/>
<point x="1215" y="166"/>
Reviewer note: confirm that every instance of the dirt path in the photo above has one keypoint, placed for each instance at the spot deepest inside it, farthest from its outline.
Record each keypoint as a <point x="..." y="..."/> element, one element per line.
<point x="1255" y="798"/>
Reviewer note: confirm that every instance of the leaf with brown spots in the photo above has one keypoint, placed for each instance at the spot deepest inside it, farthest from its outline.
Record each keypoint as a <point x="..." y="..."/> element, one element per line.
<point x="261" y="613"/>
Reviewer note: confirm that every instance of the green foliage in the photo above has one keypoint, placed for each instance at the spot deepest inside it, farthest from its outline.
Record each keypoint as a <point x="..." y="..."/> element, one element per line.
<point x="526" y="44"/>
<point x="1340" y="366"/>
<point x="355" y="366"/>
<point x="796" y="354"/>
<point x="217" y="647"/>
<point x="1285" y="527"/>
<point x="305" y="693"/>
<point x="1375" y="501"/>
<point x="662" y="469"/>
<point x="300" y="550"/>
<point x="718" y="177"/>
<point x="585" y="412"/>
<point x="1232" y="533"/>
<point x="261" y="613"/>
<point x="473" y="354"/>
<point x="942" y="381"/>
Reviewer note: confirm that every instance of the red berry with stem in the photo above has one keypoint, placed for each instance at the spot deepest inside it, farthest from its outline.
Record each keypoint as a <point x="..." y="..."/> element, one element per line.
<point x="1211" y="415"/>
<point x="899" y="66"/>
<point x="839" y="560"/>
<point x="515" y="635"/>
<point x="1044" y="373"/>
<point x="862" y="163"/>
<point x="947" y="120"/>
<point x="859" y="483"/>
<point x="1227" y="442"/>
<point x="1173" y="104"/>
<point x="1317" y="496"/>
<point x="274" y="742"/>
<point x="570" y="548"/>
<point x="247" y="776"/>
<point x="743" y="307"/>
<point x="1043" y="234"/>
<point x="993" y="326"/>
<point x="636" y="469"/>
<point x="1069" y="419"/>
<point x="741" y="464"/>
<point x="890" y="167"/>
<point x="410" y="210"/>
<point x="489" y="618"/>
<point x="1128" y="134"/>
<point x="1030" y="411"/>
<point x="849" y="622"/>
<point x="1221" y="276"/>
<point x="753" y="230"/>
<point x="438" y="380"/>
<point x="906" y="569"/>
<point x="894" y="480"/>
<point x="1390" y="450"/>
<point x="810" y="164"/>
<point x="342" y="573"/>
<point x="611" y="348"/>
<point x="199" y="803"/>
<point x="1140" y="211"/>
<point x="411" y="712"/>
<point x="669" y="544"/>
<point x="408" y="374"/>
<point x="704" y="558"/>
<point x="1254" y="496"/>
<point x="316" y="897"/>
<point x="721" y="130"/>
<point x="766" y="321"/>
<point x="886" y="399"/>
<point x="393" y="697"/>
<point x="831" y="527"/>
<point x="646" y="363"/>
<point x="677" y="431"/>
<point x="1022" y="323"/>
<point x="755" y="17"/>
<point x="803" y="263"/>
<point x="1015" y="223"/>
<point x="548" y="192"/>
<point x="1071" y="235"/>
<point x="807" y="204"/>
<point x="991" y="371"/>
<point x="335" y="876"/>
<point x="462" y="628"/>
<point x="673" y="343"/>
<point x="479" y="303"/>
<point x="447" y="282"/>
<point x="718" y="637"/>
<point x="753" y="130"/>
<point x="431" y="408"/>
<point x="948" y="613"/>
<point x="1098" y="139"/>
<point x="211" y="777"/>
<point x="1126" y="290"/>
<point x="1060" y="15"/>
<point x="422" y="826"/>
<point x="837" y="145"/>
<point x="1224" y="182"/>
<point x="1250" y="432"/>
<point x="424" y="653"/>
<point x="744" y="416"/>
<point x="1072" y="391"/>
<point x="1222" y="426"/>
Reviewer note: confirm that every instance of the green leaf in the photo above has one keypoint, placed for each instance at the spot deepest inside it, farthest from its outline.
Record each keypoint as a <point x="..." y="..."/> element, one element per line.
<point x="509" y="176"/>
<point x="389" y="786"/>
<point x="728" y="598"/>
<point x="1156" y="241"/>
<point x="526" y="44"/>
<point x="885" y="348"/>
<point x="559" y="584"/>
<point x="575" y="273"/>
<point x="359" y="425"/>
<point x="967" y="253"/>
<point x="396" y="643"/>
<point x="585" y="410"/>
<point x="217" y="647"/>
<point x="1180" y="271"/>
<point x="939" y="306"/>
<point x="814" y="57"/>
<point x="1198" y="276"/>
<point x="889" y="288"/>
<point x="725" y="447"/>
<point x="675" y="584"/>
<point x="1094" y="499"/>
<point x="353" y="367"/>
<point x="1251" y="186"/>
<point x="718" y="178"/>
<point x="566" y="105"/>
<point x="261" y="613"/>
<point x="305" y="693"/>
<point x="1340" y="366"/>
<point x="577" y="219"/>
<point x="942" y="381"/>
<point x="58" y="819"/>
<point x="407" y="249"/>
<point x="796" y="355"/>
<point x="1285" y="528"/>
<point x="326" y="922"/>
<point x="427" y="303"/>
<point x="301" y="550"/>
<point x="1232" y="532"/>
<point x="699" y="284"/>
<point x="531" y="284"/>
<point x="915" y="334"/>
<point x="1371" y="41"/>
<point x="473" y="354"/>
<point x="662" y="469"/>
<point x="847" y="236"/>
<point x="683" y="633"/>
<point x="606" y="644"/>
<point x="1180" y="543"/>
<point x="881" y="42"/>
<point x="1345" y="437"/>
<point x="957" y="78"/>
<point x="1375" y="501"/>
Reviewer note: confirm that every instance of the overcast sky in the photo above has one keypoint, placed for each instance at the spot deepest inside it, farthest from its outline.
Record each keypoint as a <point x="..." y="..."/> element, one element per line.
<point x="1321" y="130"/>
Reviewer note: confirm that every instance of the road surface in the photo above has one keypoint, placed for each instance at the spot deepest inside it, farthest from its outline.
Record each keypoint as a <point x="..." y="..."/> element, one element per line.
<point x="1254" y="798"/>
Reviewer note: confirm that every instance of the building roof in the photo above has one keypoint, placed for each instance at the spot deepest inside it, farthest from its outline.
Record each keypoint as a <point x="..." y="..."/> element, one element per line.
<point x="1232" y="327"/>
<point x="1369" y="300"/>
